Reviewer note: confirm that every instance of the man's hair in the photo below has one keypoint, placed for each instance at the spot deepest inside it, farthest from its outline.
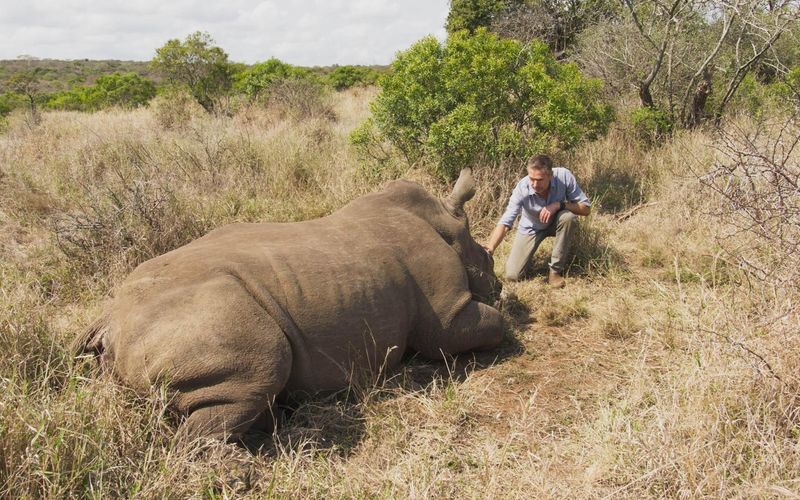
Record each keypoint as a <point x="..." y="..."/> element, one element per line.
<point x="541" y="163"/>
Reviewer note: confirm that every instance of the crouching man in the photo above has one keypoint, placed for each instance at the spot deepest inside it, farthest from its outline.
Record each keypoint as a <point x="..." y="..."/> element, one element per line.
<point x="550" y="201"/>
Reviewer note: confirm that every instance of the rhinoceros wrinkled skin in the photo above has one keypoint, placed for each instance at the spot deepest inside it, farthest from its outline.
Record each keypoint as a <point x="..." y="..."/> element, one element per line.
<point x="249" y="311"/>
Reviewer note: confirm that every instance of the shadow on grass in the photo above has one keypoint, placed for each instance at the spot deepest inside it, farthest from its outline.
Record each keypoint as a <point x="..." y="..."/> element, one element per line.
<point x="616" y="191"/>
<point x="335" y="422"/>
<point x="593" y="254"/>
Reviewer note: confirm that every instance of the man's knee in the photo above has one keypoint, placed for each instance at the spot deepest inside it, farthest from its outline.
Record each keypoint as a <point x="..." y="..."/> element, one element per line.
<point x="567" y="218"/>
<point x="513" y="274"/>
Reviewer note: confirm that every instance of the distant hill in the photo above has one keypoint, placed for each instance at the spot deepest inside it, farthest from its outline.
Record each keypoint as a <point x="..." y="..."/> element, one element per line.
<point x="62" y="75"/>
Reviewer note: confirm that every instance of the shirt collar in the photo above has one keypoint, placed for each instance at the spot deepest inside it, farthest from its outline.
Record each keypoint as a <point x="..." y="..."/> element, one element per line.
<point x="530" y="187"/>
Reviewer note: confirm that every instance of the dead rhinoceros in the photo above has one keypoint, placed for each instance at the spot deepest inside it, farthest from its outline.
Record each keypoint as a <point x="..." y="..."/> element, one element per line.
<point x="248" y="311"/>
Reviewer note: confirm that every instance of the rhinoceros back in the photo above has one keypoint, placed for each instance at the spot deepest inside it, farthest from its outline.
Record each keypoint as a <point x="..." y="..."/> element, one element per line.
<point x="340" y="288"/>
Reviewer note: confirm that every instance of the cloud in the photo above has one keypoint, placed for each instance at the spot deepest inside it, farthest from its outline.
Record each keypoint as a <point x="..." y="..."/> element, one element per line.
<point x="305" y="32"/>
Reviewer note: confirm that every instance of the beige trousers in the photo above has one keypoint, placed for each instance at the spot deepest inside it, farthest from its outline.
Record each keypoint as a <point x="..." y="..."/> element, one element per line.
<point x="525" y="245"/>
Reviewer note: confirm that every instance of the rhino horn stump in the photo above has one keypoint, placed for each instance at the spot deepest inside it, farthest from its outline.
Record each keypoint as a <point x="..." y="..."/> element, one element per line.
<point x="464" y="189"/>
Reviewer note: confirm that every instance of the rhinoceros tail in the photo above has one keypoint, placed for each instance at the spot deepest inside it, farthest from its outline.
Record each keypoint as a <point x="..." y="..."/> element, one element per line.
<point x="91" y="339"/>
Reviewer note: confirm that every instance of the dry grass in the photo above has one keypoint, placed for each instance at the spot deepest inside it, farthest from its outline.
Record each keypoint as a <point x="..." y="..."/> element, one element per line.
<point x="661" y="370"/>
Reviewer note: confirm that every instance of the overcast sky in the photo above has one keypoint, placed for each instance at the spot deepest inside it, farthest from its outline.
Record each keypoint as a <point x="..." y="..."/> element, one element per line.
<point x="302" y="32"/>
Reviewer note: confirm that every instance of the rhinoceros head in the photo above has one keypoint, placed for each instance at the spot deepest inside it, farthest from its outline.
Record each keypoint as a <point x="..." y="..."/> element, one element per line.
<point x="446" y="216"/>
<point x="478" y="263"/>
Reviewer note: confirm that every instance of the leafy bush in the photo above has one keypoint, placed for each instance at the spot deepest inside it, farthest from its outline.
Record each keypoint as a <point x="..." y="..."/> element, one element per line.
<point x="651" y="125"/>
<point x="344" y="77"/>
<point x="483" y="98"/>
<point x="758" y="98"/>
<point x="10" y="101"/>
<point x="473" y="14"/>
<point x="257" y="80"/>
<point x="78" y="98"/>
<point x="127" y="90"/>
<point x="788" y="90"/>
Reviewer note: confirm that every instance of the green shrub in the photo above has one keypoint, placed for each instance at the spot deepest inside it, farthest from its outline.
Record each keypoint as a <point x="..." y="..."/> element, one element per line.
<point x="751" y="97"/>
<point x="651" y="125"/>
<point x="127" y="90"/>
<point x="344" y="77"/>
<point x="473" y="14"/>
<point x="257" y="80"/>
<point x="787" y="90"/>
<point x="9" y="101"/>
<point x="482" y="98"/>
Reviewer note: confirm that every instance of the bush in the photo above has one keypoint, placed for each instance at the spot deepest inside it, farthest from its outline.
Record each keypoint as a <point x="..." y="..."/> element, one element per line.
<point x="788" y="90"/>
<point x="482" y="98"/>
<point x="473" y="14"/>
<point x="127" y="90"/>
<point x="301" y="99"/>
<point x="344" y="77"/>
<point x="174" y="108"/>
<point x="754" y="179"/>
<point x="258" y="80"/>
<point x="651" y="125"/>
<point x="128" y="223"/>
<point x="10" y="101"/>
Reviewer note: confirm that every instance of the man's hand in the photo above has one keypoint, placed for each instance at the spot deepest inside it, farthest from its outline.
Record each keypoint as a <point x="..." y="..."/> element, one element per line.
<point x="495" y="238"/>
<point x="547" y="213"/>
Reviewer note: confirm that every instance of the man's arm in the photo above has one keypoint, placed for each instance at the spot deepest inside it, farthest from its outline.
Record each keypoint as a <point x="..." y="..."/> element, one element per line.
<point x="580" y="206"/>
<point x="506" y="221"/>
<point x="496" y="237"/>
<point x="576" y="207"/>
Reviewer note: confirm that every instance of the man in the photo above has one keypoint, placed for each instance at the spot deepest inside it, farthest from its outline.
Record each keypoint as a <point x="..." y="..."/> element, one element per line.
<point x="550" y="201"/>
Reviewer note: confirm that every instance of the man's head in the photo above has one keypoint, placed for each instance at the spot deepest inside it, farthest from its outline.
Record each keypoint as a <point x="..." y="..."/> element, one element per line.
<point x="540" y="172"/>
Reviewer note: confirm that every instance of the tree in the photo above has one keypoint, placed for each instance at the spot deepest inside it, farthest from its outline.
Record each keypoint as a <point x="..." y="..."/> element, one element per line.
<point x="197" y="64"/>
<point x="684" y="56"/>
<point x="28" y="84"/>
<point x="483" y="98"/>
<point x="555" y="22"/>
<point x="473" y="14"/>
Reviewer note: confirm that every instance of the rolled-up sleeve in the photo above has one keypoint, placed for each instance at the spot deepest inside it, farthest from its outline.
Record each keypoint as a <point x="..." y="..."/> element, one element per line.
<point x="513" y="208"/>
<point x="574" y="192"/>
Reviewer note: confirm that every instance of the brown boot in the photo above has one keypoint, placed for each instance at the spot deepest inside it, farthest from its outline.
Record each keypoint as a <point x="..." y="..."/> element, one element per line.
<point x="556" y="280"/>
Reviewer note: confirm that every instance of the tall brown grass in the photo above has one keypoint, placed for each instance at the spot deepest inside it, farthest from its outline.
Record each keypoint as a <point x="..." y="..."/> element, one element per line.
<point x="662" y="369"/>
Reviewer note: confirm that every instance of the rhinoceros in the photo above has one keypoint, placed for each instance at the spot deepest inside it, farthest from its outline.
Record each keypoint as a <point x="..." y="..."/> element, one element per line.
<point x="249" y="311"/>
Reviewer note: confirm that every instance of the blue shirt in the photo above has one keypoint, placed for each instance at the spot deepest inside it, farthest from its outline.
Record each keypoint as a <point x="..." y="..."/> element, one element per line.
<point x="563" y="187"/>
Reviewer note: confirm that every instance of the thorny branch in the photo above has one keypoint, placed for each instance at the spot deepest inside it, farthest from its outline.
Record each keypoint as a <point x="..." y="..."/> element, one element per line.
<point x="743" y="347"/>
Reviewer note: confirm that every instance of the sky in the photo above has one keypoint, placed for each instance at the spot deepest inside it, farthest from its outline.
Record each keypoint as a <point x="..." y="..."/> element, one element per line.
<point x="300" y="32"/>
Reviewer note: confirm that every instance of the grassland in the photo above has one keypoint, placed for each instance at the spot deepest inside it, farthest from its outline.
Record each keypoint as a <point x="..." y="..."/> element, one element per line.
<point x="666" y="367"/>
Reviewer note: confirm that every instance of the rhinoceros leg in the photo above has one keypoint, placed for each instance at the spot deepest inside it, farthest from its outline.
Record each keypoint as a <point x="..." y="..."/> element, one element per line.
<point x="238" y="361"/>
<point x="476" y="326"/>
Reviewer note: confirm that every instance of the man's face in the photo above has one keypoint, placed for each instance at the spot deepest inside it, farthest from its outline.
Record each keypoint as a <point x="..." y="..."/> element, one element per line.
<point x="540" y="180"/>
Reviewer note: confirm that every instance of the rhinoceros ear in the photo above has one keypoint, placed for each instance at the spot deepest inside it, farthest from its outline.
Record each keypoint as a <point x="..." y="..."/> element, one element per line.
<point x="464" y="189"/>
